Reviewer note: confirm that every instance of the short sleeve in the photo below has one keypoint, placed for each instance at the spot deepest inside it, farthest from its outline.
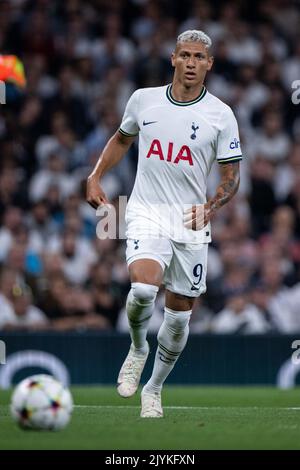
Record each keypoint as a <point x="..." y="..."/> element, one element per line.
<point x="129" y="125"/>
<point x="228" y="144"/>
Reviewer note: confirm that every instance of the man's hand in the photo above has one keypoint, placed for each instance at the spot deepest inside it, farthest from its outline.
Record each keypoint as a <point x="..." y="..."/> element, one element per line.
<point x="94" y="194"/>
<point x="198" y="216"/>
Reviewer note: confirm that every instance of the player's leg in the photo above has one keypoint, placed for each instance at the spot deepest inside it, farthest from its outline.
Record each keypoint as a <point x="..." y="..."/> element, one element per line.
<point x="174" y="331"/>
<point x="146" y="275"/>
<point x="172" y="338"/>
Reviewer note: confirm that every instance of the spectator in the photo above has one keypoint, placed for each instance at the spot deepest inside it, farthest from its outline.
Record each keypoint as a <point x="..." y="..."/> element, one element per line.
<point x="106" y="293"/>
<point x="77" y="256"/>
<point x="239" y="316"/>
<point x="54" y="174"/>
<point x="8" y="279"/>
<point x="24" y="315"/>
<point x="69" y="307"/>
<point x="272" y="142"/>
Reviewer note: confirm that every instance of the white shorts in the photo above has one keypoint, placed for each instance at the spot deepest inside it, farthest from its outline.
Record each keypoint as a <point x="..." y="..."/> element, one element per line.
<point x="184" y="264"/>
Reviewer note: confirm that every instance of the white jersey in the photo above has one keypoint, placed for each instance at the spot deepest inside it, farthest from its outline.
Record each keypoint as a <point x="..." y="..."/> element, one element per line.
<point x="178" y="143"/>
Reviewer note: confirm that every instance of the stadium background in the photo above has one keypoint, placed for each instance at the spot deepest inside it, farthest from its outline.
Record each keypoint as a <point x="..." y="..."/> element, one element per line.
<point x="62" y="290"/>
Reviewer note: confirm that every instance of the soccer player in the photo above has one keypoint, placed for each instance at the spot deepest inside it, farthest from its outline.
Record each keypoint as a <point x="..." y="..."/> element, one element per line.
<point x="182" y="129"/>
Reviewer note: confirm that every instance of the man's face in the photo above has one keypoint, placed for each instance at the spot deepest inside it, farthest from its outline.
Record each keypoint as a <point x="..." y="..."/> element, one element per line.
<point x="191" y="61"/>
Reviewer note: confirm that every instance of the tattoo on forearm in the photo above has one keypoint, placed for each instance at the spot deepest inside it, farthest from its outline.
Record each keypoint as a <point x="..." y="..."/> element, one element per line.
<point x="228" y="187"/>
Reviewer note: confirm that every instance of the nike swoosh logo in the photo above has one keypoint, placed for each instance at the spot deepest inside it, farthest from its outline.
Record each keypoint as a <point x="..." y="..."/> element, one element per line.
<point x="146" y="123"/>
<point x="194" y="288"/>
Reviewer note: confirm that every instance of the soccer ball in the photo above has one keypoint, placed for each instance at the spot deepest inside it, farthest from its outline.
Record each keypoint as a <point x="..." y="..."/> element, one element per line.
<point x="41" y="402"/>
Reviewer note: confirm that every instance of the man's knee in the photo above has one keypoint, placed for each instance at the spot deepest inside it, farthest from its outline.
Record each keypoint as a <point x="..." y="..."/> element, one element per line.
<point x="144" y="293"/>
<point x="178" y="301"/>
<point x="146" y="271"/>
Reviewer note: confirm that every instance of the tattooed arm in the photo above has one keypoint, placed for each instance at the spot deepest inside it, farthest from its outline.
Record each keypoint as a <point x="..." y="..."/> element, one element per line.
<point x="230" y="180"/>
<point x="199" y="215"/>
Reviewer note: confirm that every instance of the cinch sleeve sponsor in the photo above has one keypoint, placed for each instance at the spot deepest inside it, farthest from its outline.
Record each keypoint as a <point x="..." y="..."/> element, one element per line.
<point x="129" y="125"/>
<point x="228" y="144"/>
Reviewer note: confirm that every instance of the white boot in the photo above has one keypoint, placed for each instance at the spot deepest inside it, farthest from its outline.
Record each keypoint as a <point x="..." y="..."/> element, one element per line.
<point x="131" y="371"/>
<point x="151" y="405"/>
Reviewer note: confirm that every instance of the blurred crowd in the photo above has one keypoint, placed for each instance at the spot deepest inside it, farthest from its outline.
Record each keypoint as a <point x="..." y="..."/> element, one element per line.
<point x="83" y="59"/>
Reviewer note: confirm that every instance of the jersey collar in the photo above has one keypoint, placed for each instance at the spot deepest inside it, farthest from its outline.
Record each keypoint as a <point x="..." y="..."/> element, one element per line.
<point x="184" y="103"/>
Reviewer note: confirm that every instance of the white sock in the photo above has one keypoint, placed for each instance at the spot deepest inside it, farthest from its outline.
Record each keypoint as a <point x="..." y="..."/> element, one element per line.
<point x="139" y="307"/>
<point x="172" y="338"/>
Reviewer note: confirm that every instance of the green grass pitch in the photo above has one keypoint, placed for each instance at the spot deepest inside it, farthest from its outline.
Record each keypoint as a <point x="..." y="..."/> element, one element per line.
<point x="195" y="418"/>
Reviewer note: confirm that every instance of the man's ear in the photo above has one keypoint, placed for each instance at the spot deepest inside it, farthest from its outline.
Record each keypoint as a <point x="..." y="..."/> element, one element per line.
<point x="173" y="59"/>
<point x="210" y="62"/>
